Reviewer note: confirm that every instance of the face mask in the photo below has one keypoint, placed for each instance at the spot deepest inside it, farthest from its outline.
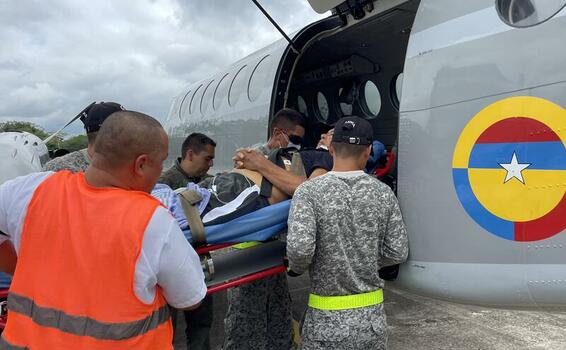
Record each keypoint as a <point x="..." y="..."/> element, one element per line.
<point x="298" y="147"/>
<point x="323" y="147"/>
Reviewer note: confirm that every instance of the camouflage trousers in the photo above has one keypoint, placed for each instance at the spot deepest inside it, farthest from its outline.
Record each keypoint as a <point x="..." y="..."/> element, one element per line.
<point x="353" y="329"/>
<point x="259" y="315"/>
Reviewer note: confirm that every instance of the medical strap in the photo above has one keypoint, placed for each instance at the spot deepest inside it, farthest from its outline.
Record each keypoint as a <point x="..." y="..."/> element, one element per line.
<point x="297" y="166"/>
<point x="344" y="302"/>
<point x="85" y="326"/>
<point x="189" y="200"/>
<point x="276" y="157"/>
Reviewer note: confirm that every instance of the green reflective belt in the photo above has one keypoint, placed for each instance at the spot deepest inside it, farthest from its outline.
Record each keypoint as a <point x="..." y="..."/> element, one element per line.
<point x="343" y="302"/>
<point x="246" y="245"/>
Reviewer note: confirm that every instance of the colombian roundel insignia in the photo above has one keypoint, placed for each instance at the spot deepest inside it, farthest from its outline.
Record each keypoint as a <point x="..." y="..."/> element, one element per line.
<point x="509" y="168"/>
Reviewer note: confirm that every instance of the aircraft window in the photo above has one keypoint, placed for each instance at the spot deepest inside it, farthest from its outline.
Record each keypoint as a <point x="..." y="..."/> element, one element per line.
<point x="345" y="107"/>
<point x="194" y="99"/>
<point x="176" y="108"/>
<point x="220" y="92"/>
<point x="184" y="110"/>
<point x="527" y="13"/>
<point x="322" y="106"/>
<point x="206" y="97"/>
<point x="396" y="89"/>
<point x="302" y="106"/>
<point x="259" y="79"/>
<point x="237" y="87"/>
<point x="370" y="99"/>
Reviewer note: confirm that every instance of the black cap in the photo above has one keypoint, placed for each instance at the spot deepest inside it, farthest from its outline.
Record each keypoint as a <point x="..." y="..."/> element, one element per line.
<point x="353" y="130"/>
<point x="94" y="115"/>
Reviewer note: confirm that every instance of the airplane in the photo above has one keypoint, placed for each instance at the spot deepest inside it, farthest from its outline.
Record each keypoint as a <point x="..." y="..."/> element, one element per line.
<point x="468" y="96"/>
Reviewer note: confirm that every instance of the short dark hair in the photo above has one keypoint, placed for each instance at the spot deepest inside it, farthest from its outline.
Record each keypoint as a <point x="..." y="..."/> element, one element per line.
<point x="126" y="134"/>
<point x="287" y="118"/>
<point x="346" y="150"/>
<point x="196" y="142"/>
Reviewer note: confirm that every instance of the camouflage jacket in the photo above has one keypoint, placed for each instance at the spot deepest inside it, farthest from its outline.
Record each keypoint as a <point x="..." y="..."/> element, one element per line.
<point x="175" y="177"/>
<point x="75" y="161"/>
<point x="344" y="227"/>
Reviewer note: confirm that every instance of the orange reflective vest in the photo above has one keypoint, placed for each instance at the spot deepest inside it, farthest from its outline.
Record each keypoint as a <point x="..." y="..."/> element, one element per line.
<point x="74" y="282"/>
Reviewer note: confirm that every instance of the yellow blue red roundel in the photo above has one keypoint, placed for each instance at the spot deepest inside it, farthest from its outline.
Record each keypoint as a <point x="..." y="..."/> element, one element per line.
<point x="509" y="168"/>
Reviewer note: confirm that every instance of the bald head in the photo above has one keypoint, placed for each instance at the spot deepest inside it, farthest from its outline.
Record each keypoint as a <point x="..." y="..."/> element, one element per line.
<point x="127" y="134"/>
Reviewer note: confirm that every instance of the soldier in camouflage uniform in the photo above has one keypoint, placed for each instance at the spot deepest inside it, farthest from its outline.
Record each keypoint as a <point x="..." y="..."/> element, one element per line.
<point x="92" y="118"/>
<point x="344" y="226"/>
<point x="259" y="313"/>
<point x="197" y="155"/>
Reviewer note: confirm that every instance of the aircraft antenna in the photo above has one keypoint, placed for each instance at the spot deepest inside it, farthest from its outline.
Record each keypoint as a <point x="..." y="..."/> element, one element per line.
<point x="277" y="26"/>
<point x="68" y="123"/>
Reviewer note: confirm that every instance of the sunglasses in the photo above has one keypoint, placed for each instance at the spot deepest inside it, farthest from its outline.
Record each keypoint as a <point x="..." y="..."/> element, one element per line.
<point x="297" y="140"/>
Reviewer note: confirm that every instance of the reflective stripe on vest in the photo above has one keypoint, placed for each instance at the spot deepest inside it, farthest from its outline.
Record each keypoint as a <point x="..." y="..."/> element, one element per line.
<point x="5" y="345"/>
<point x="344" y="302"/>
<point x="85" y="326"/>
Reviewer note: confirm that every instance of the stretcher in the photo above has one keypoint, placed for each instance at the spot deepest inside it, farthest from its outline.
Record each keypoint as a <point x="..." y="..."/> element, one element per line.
<point x="239" y="266"/>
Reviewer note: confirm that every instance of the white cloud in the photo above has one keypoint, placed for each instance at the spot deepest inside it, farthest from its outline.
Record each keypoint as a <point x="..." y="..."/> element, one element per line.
<point x="58" y="56"/>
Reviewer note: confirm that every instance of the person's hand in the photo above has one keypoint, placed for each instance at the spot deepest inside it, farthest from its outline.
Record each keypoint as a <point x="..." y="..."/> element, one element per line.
<point x="249" y="159"/>
<point x="238" y="157"/>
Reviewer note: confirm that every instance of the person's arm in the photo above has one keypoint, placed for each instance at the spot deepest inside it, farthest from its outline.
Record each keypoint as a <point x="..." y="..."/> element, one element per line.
<point x="279" y="177"/>
<point x="8" y="257"/>
<point x="394" y="248"/>
<point x="301" y="237"/>
<point x="179" y="272"/>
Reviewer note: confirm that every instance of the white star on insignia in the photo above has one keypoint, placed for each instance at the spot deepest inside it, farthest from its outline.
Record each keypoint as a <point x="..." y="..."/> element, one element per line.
<point x="514" y="169"/>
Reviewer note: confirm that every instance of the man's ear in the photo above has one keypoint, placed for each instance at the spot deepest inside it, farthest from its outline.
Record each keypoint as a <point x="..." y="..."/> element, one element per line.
<point x="140" y="163"/>
<point x="368" y="151"/>
<point x="331" y="149"/>
<point x="190" y="155"/>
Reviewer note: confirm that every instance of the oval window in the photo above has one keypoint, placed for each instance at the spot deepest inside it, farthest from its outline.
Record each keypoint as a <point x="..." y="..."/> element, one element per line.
<point x="184" y="109"/>
<point x="396" y="89"/>
<point x="345" y="107"/>
<point x="322" y="106"/>
<point x="238" y="86"/>
<point x="176" y="108"/>
<point x="259" y="79"/>
<point x="206" y="97"/>
<point x="221" y="91"/>
<point x="527" y="13"/>
<point x="302" y="105"/>
<point x="370" y="99"/>
<point x="195" y="100"/>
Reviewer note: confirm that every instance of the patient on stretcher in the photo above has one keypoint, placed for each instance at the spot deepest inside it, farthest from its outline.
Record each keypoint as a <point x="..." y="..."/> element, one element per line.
<point x="230" y="195"/>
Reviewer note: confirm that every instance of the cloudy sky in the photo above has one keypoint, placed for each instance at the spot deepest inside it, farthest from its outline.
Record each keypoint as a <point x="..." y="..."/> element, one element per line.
<point x="57" y="56"/>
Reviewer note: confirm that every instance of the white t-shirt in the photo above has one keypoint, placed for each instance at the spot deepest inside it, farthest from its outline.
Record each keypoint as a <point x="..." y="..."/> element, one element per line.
<point x="166" y="259"/>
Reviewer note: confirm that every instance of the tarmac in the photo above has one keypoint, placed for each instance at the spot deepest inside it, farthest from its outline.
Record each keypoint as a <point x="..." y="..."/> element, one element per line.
<point x="419" y="323"/>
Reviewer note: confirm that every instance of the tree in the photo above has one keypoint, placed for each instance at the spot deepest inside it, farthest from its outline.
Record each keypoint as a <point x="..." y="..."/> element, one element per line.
<point x="75" y="143"/>
<point x="14" y="125"/>
<point x="24" y="126"/>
